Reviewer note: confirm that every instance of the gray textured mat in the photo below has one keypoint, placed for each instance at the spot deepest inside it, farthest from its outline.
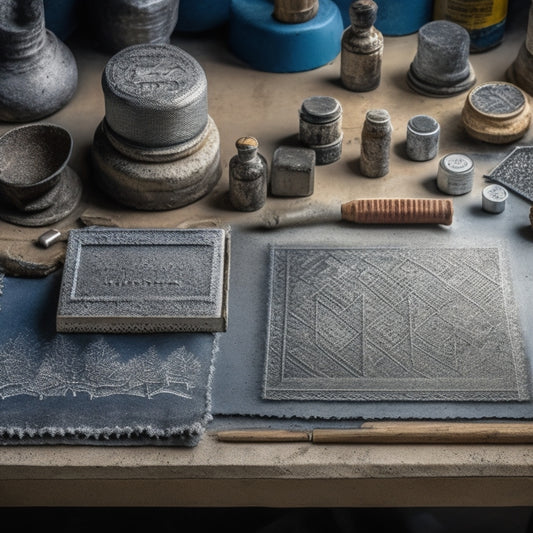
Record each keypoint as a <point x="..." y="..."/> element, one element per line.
<point x="392" y="324"/>
<point x="514" y="171"/>
<point x="238" y="378"/>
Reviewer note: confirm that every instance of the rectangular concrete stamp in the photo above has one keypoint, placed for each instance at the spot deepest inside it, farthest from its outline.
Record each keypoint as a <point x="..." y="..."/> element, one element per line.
<point x="393" y="324"/>
<point x="144" y="280"/>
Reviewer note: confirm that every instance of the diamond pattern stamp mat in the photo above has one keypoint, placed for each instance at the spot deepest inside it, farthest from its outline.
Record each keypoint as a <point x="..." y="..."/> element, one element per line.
<point x="375" y="324"/>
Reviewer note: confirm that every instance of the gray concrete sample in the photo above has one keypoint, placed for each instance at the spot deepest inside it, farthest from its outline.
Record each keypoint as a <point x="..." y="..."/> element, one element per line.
<point x="292" y="171"/>
<point x="441" y="66"/>
<point x="361" y="48"/>
<point x="514" y="172"/>
<point x="455" y="175"/>
<point x="38" y="72"/>
<point x="168" y="180"/>
<point x="493" y="198"/>
<point x="37" y="186"/>
<point x="376" y="140"/>
<point x="405" y="324"/>
<point x="496" y="112"/>
<point x="422" y="139"/>
<point x="142" y="281"/>
<point x="123" y="23"/>
<point x="248" y="176"/>
<point x="320" y="128"/>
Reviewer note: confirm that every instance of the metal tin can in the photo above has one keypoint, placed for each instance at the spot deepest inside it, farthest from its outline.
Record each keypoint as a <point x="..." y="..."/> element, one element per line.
<point x="483" y="19"/>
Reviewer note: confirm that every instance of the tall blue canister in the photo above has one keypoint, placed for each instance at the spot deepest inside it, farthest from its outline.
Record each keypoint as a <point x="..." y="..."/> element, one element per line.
<point x="395" y="17"/>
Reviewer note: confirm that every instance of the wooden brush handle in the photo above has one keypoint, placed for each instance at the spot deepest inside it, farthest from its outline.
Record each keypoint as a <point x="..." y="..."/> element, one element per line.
<point x="398" y="211"/>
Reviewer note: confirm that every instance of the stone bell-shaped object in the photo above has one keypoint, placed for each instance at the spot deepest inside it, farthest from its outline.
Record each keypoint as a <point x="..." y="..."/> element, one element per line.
<point x="38" y="73"/>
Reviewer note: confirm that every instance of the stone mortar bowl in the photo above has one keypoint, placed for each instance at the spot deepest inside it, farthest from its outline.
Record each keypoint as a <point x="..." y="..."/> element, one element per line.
<point x="33" y="159"/>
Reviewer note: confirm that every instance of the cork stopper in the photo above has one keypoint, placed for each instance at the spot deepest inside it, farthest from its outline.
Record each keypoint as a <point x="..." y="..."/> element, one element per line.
<point x="246" y="148"/>
<point x="363" y="13"/>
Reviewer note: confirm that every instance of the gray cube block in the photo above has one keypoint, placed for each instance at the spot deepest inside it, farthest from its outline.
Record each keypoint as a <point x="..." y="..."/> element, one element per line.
<point x="144" y="280"/>
<point x="293" y="171"/>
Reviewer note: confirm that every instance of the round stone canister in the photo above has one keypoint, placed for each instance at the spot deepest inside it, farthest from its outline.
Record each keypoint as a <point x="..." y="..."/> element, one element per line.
<point x="321" y="127"/>
<point x="496" y="112"/>
<point x="157" y="148"/>
<point x="422" y="142"/>
<point x="155" y="95"/>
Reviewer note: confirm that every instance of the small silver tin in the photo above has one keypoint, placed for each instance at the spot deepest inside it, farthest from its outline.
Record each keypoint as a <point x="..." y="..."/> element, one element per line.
<point x="456" y="174"/>
<point x="493" y="198"/>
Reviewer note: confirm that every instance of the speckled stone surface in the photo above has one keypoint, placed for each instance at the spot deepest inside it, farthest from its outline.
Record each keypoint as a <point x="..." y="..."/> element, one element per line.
<point x="514" y="172"/>
<point x="122" y="281"/>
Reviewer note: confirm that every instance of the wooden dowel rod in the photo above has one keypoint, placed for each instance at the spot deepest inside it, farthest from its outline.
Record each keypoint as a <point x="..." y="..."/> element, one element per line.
<point x="263" y="435"/>
<point x="396" y="433"/>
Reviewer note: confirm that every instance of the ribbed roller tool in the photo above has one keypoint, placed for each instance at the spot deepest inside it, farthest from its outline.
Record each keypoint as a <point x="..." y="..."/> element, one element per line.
<point x="369" y="211"/>
<point x="157" y="148"/>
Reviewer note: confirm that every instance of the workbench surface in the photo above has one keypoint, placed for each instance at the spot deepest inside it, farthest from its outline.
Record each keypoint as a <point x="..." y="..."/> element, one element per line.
<point x="265" y="105"/>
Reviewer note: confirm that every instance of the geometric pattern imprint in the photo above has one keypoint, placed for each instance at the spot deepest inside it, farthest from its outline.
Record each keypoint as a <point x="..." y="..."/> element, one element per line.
<point x="393" y="324"/>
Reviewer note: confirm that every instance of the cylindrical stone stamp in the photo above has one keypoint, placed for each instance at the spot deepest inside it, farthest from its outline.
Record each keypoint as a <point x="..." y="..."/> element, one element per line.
<point x="441" y="66"/>
<point x="361" y="48"/>
<point x="455" y="175"/>
<point x="248" y="176"/>
<point x="157" y="148"/>
<point x="321" y="128"/>
<point x="493" y="198"/>
<point x="295" y="11"/>
<point x="422" y="141"/>
<point x="376" y="143"/>
<point x="496" y="112"/>
<point x="155" y="95"/>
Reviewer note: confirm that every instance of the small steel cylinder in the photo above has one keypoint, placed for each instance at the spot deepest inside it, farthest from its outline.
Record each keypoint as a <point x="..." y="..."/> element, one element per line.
<point x="376" y="143"/>
<point x="423" y="133"/>
<point x="321" y="128"/>
<point x="493" y="198"/>
<point x="455" y="175"/>
<point x="48" y="238"/>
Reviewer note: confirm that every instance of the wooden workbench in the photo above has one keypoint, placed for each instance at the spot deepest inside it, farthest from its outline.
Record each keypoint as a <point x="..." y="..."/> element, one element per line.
<point x="247" y="102"/>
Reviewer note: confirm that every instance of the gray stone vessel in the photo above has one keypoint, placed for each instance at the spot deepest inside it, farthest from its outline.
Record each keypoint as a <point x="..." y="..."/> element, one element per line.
<point x="38" y="73"/>
<point x="248" y="176"/>
<point x="123" y="23"/>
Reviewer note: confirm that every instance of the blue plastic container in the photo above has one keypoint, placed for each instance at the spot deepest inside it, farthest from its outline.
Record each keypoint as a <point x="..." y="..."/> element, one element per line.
<point x="266" y="44"/>
<point x="197" y="16"/>
<point x="395" y="17"/>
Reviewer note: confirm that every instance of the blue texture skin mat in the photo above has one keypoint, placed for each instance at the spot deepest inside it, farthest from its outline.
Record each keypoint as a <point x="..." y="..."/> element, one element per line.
<point x="239" y="374"/>
<point x="96" y="389"/>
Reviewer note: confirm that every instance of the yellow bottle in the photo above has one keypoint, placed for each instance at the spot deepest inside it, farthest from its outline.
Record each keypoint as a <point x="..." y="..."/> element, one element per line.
<point x="483" y="19"/>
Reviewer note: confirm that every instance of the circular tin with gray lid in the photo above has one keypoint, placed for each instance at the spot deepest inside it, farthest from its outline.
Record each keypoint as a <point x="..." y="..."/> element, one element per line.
<point x="496" y="112"/>
<point x="321" y="127"/>
<point x="493" y="198"/>
<point x="155" y="95"/>
<point x="423" y="134"/>
<point x="455" y="175"/>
